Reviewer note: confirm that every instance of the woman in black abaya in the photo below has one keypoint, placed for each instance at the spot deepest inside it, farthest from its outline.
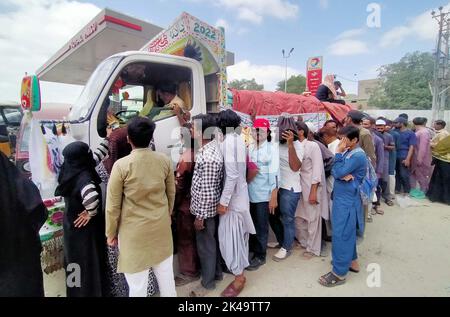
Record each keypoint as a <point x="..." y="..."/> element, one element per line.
<point x="22" y="214"/>
<point x="84" y="224"/>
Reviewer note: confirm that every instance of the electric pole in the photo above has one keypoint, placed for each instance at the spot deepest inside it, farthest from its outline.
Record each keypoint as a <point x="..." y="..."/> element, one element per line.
<point x="285" y="74"/>
<point x="441" y="79"/>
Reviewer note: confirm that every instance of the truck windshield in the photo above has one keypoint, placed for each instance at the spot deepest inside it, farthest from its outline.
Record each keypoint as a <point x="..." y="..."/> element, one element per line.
<point x="91" y="91"/>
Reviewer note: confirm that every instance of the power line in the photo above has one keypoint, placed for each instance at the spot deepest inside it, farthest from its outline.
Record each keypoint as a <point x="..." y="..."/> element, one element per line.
<point x="354" y="81"/>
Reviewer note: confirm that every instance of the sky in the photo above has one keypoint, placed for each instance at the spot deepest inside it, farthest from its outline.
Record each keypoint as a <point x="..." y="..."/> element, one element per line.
<point x="355" y="37"/>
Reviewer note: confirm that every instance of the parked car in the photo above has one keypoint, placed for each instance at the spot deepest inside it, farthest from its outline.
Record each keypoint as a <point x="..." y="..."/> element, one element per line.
<point x="10" y="117"/>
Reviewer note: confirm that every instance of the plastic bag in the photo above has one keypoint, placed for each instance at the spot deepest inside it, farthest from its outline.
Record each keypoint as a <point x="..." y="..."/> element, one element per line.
<point x="406" y="202"/>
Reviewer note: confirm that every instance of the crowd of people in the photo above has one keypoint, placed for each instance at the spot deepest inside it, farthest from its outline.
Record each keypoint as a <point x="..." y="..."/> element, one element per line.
<point x="215" y="209"/>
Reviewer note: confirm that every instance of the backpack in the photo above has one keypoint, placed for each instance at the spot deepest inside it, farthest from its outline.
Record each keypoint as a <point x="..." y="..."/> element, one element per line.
<point x="369" y="183"/>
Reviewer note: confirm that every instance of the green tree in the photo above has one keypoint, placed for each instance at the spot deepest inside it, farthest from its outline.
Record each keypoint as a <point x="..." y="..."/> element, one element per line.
<point x="245" y="84"/>
<point x="295" y="85"/>
<point x="406" y="84"/>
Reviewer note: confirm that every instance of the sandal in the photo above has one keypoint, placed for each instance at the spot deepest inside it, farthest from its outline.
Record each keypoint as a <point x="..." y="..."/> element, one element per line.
<point x="390" y="203"/>
<point x="308" y="255"/>
<point x="379" y="211"/>
<point x="331" y="280"/>
<point x="232" y="291"/>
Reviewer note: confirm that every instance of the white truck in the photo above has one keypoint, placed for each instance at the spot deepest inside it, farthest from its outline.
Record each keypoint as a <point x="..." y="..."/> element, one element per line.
<point x="190" y="54"/>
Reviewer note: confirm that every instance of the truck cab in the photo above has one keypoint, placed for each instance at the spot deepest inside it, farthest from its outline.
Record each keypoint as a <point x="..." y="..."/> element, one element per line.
<point x="189" y="54"/>
<point x="126" y="83"/>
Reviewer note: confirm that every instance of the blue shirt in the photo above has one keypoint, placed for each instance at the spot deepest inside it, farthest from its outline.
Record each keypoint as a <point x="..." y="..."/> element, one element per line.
<point x="346" y="195"/>
<point x="266" y="157"/>
<point x="354" y="163"/>
<point x="406" y="139"/>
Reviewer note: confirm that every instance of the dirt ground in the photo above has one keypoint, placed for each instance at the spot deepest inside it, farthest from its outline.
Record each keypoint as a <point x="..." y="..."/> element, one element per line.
<point x="411" y="247"/>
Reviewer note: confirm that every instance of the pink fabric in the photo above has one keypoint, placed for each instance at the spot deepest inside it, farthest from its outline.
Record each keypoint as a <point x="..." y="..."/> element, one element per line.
<point x="262" y="103"/>
<point x="251" y="165"/>
<point x="421" y="164"/>
<point x="329" y="82"/>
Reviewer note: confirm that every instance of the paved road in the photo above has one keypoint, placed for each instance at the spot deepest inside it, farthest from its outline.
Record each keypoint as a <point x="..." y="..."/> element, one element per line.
<point x="410" y="246"/>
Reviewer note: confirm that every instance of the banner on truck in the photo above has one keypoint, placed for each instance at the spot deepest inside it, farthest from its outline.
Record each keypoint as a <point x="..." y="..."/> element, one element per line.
<point x="314" y="73"/>
<point x="317" y="119"/>
<point x="190" y="37"/>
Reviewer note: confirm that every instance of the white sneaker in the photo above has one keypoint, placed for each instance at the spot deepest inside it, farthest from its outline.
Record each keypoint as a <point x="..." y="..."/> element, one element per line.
<point x="281" y="255"/>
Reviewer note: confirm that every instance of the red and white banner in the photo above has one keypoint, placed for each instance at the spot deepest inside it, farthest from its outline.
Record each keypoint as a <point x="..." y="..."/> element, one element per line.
<point x="314" y="73"/>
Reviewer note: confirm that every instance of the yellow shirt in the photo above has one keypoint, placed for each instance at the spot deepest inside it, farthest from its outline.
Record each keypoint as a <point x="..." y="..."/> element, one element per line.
<point x="440" y="135"/>
<point x="442" y="150"/>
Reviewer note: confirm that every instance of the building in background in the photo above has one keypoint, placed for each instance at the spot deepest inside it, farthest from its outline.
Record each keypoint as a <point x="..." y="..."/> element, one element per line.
<point x="365" y="90"/>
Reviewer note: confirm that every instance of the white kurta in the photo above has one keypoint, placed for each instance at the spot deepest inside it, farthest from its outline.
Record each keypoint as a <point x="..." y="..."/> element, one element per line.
<point x="309" y="217"/>
<point x="236" y="225"/>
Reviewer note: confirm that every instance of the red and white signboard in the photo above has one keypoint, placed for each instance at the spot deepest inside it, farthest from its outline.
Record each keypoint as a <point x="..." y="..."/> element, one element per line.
<point x="314" y="73"/>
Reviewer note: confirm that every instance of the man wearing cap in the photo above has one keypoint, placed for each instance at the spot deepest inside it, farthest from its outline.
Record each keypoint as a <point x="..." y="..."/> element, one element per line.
<point x="405" y="150"/>
<point x="389" y="147"/>
<point x="390" y="128"/>
<point x="405" y="116"/>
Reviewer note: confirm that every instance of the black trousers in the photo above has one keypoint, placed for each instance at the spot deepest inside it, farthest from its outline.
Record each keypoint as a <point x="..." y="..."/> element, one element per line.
<point x="402" y="178"/>
<point x="381" y="192"/>
<point x="258" y="241"/>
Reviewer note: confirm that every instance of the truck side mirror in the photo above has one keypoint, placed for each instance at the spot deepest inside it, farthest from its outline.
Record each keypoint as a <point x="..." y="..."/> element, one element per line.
<point x="102" y="119"/>
<point x="30" y="94"/>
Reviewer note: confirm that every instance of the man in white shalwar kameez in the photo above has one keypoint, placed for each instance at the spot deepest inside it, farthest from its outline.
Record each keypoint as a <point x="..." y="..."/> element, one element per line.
<point x="314" y="205"/>
<point x="235" y="225"/>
